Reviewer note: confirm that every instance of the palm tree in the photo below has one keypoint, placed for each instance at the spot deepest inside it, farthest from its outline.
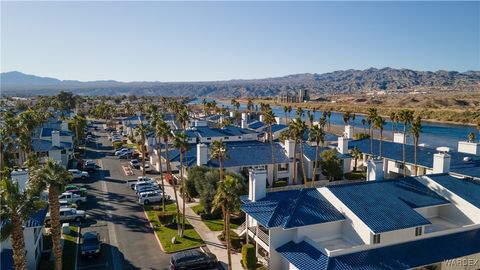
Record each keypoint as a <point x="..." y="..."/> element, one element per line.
<point x="478" y="126"/>
<point x="406" y="117"/>
<point x="204" y="103"/>
<point x="299" y="112"/>
<point x="316" y="135"/>
<point x="158" y="123"/>
<point x="78" y="123"/>
<point x="298" y="128"/>
<point x="310" y="116"/>
<point x="379" y="124"/>
<point x="289" y="111"/>
<point x="218" y="150"/>
<point x="356" y="154"/>
<point x="228" y="200"/>
<point x="471" y="137"/>
<point x="269" y="119"/>
<point x="141" y="132"/>
<point x="54" y="177"/>
<point x="16" y="207"/>
<point x="353" y="116"/>
<point x="364" y="123"/>
<point x="285" y="110"/>
<point x="346" y="118"/>
<point x="329" y="114"/>
<point x="393" y="119"/>
<point x="416" y="130"/>
<point x="372" y="114"/>
<point x="180" y="142"/>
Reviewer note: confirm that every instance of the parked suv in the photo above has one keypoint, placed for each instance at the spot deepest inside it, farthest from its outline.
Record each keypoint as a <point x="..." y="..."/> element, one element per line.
<point x="193" y="259"/>
<point x="140" y="179"/>
<point x="90" y="244"/>
<point x="77" y="174"/>
<point x="69" y="214"/>
<point x="150" y="197"/>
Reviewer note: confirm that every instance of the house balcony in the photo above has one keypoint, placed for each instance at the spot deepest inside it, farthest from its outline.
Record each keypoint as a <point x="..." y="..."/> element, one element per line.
<point x="260" y="235"/>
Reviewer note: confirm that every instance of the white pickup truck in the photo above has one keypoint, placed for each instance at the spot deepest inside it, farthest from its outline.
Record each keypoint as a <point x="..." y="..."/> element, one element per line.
<point x="72" y="198"/>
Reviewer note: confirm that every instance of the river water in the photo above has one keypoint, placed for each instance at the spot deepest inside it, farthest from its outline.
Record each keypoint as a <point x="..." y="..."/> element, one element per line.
<point x="433" y="134"/>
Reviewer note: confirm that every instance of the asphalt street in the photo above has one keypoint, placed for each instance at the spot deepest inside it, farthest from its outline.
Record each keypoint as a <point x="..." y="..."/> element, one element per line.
<point x="128" y="242"/>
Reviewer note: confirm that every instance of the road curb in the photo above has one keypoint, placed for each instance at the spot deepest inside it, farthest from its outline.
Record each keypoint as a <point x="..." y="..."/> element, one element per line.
<point x="154" y="232"/>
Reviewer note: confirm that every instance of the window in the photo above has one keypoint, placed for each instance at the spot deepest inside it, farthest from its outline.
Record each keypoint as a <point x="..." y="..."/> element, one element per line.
<point x="418" y="231"/>
<point x="226" y="138"/>
<point x="283" y="167"/>
<point x="208" y="139"/>
<point x="376" y="238"/>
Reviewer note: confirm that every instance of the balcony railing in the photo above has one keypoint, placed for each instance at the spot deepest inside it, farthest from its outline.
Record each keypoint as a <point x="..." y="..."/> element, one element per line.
<point x="257" y="232"/>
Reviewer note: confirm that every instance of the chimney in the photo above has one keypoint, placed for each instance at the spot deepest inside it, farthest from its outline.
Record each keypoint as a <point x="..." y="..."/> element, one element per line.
<point x="261" y="118"/>
<point x="348" y="132"/>
<point x="398" y="137"/>
<point x="374" y="169"/>
<point x="244" y="116"/>
<point x="56" y="138"/>
<point x="289" y="146"/>
<point x="21" y="177"/>
<point x="257" y="184"/>
<point x="64" y="126"/>
<point x="244" y="124"/>
<point x="469" y="148"/>
<point x="232" y="114"/>
<point x="342" y="147"/>
<point x="202" y="154"/>
<point x="279" y="120"/>
<point x="441" y="163"/>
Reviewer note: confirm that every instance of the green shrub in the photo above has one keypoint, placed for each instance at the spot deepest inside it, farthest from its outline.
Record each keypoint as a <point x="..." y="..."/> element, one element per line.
<point x="117" y="145"/>
<point x="235" y="240"/>
<point x="359" y="136"/>
<point x="355" y="175"/>
<point x="249" y="260"/>
<point x="281" y="183"/>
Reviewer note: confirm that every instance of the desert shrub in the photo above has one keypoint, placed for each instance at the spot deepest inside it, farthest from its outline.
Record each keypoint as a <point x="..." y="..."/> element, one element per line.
<point x="235" y="240"/>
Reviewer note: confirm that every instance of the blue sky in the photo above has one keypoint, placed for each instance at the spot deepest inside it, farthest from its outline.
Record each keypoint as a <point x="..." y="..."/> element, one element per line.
<point x="199" y="41"/>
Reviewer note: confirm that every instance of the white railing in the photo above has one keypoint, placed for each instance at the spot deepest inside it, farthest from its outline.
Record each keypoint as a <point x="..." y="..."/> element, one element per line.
<point x="263" y="236"/>
<point x="241" y="228"/>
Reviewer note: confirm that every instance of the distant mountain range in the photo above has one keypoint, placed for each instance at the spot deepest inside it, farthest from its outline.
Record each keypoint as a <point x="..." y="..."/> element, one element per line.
<point x="345" y="81"/>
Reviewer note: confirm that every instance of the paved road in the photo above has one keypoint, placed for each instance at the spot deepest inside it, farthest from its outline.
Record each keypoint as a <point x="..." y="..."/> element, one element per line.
<point x="128" y="240"/>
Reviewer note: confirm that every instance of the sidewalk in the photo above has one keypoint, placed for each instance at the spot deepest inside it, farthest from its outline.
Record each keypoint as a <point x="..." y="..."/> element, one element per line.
<point x="208" y="236"/>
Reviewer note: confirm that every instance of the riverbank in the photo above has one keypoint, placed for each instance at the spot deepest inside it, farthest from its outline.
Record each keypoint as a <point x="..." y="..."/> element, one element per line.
<point x="442" y="116"/>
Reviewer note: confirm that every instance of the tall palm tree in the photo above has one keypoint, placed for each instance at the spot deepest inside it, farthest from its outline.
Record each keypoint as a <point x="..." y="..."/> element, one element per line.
<point x="180" y="142"/>
<point x="329" y="114"/>
<point x="298" y="131"/>
<point x="478" y="126"/>
<point x="166" y="134"/>
<point x="289" y="110"/>
<point x="204" y="104"/>
<point x="356" y="154"/>
<point x="379" y="124"/>
<point x="269" y="119"/>
<point x="353" y="116"/>
<point x="141" y="132"/>
<point x="227" y="199"/>
<point x="364" y="123"/>
<point x="54" y="177"/>
<point x="299" y="112"/>
<point x="16" y="206"/>
<point x="310" y="116"/>
<point x="405" y="117"/>
<point x="158" y="123"/>
<point x="471" y="137"/>
<point x="346" y="118"/>
<point x="78" y="123"/>
<point x="218" y="150"/>
<point x="416" y="130"/>
<point x="372" y="114"/>
<point x="316" y="135"/>
<point x="285" y="110"/>
<point x="393" y="119"/>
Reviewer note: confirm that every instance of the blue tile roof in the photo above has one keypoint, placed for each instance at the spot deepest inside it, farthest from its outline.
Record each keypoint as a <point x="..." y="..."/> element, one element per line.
<point x="329" y="137"/>
<point x="393" y="151"/>
<point x="469" y="190"/>
<point x="250" y="153"/>
<point x="309" y="151"/>
<point x="46" y="145"/>
<point x="222" y="132"/>
<point x="291" y="209"/>
<point x="388" y="205"/>
<point x="37" y="219"/>
<point x="401" y="256"/>
<point x="47" y="132"/>
<point x="278" y="127"/>
<point x="6" y="259"/>
<point x="190" y="157"/>
<point x="256" y="125"/>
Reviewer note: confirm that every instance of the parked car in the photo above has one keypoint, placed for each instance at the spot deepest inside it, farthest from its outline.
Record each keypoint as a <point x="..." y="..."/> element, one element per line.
<point x="77" y="174"/>
<point x="135" y="163"/>
<point x="146" y="188"/>
<point x="141" y="185"/>
<point x="69" y="214"/>
<point x="148" y="168"/>
<point x="116" y="139"/>
<point x="123" y="150"/>
<point x="193" y="259"/>
<point x="146" y="198"/>
<point x="66" y="204"/>
<point x="73" y="198"/>
<point x="140" y="179"/>
<point x="90" y="166"/>
<point x="125" y="155"/>
<point x="90" y="244"/>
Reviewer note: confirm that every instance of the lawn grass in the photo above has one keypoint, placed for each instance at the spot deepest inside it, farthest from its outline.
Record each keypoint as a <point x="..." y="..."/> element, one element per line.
<point x="165" y="234"/>
<point x="217" y="224"/>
